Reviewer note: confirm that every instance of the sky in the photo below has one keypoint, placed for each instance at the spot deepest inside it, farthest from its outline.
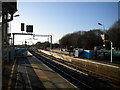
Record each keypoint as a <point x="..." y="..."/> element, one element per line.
<point x="60" y="18"/>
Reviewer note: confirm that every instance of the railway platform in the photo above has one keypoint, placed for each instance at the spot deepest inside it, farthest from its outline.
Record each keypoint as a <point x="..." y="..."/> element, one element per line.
<point x="107" y="70"/>
<point x="29" y="73"/>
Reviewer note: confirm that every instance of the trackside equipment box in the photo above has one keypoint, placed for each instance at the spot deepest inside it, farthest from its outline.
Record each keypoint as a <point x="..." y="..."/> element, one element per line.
<point x="84" y="54"/>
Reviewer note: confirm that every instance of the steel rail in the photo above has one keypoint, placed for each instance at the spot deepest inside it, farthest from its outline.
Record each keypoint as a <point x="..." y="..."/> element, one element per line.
<point x="68" y="75"/>
<point x="90" y="72"/>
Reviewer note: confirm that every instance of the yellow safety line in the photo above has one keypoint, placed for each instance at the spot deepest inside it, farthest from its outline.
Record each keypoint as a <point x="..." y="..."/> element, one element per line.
<point x="41" y="75"/>
<point x="11" y="75"/>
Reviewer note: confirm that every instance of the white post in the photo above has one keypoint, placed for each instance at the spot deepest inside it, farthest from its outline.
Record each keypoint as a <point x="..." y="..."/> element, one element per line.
<point x="111" y="51"/>
<point x="51" y="42"/>
<point x="13" y="46"/>
<point x="1" y="45"/>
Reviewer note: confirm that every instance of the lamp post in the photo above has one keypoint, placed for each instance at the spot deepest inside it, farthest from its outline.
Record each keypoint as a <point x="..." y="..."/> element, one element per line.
<point x="102" y="25"/>
<point x="111" y="50"/>
<point x="103" y="34"/>
<point x="104" y="40"/>
<point x="13" y="37"/>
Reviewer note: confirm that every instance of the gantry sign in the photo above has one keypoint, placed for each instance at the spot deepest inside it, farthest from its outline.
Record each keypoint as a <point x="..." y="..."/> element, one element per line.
<point x="33" y="36"/>
<point x="45" y="36"/>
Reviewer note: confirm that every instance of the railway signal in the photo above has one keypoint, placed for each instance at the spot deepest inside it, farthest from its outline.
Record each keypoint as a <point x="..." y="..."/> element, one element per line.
<point x="29" y="28"/>
<point x="22" y="26"/>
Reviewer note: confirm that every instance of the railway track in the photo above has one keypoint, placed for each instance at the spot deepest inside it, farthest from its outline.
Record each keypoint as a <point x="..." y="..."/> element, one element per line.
<point x="92" y="72"/>
<point x="73" y="74"/>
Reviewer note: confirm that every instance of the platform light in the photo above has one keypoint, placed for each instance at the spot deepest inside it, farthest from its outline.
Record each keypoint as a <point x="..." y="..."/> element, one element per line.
<point x="17" y="15"/>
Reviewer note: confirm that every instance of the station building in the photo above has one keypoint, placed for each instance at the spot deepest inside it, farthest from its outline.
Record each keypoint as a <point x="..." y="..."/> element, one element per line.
<point x="7" y="11"/>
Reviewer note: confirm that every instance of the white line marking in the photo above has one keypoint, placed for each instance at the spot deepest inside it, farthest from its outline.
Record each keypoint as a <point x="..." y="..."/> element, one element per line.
<point x="17" y="76"/>
<point x="54" y="71"/>
<point x="101" y="63"/>
<point x="28" y="77"/>
<point x="11" y="75"/>
<point x="85" y="60"/>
